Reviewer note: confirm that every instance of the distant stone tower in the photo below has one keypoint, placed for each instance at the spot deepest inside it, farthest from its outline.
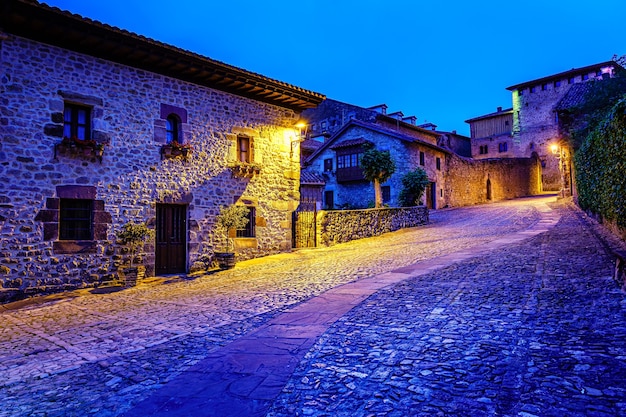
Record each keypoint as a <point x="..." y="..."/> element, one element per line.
<point x="535" y="121"/>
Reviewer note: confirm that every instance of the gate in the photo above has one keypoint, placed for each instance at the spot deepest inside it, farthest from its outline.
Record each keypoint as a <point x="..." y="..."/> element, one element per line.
<point x="303" y="224"/>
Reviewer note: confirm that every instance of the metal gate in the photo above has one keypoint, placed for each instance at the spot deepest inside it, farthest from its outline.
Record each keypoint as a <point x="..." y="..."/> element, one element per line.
<point x="304" y="228"/>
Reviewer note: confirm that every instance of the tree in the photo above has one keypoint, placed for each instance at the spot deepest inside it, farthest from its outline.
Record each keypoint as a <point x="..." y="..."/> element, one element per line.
<point x="377" y="167"/>
<point x="231" y="217"/>
<point x="413" y="185"/>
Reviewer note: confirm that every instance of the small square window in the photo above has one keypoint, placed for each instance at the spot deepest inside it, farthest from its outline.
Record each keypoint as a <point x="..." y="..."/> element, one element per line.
<point x="75" y="219"/>
<point x="571" y="80"/>
<point x="557" y="83"/>
<point x="544" y="87"/>
<point x="533" y="89"/>
<point x="250" y="229"/>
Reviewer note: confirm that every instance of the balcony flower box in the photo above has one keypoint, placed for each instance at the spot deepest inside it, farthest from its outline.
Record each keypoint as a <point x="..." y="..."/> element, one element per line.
<point x="244" y="169"/>
<point x="176" y="149"/>
<point x="74" y="146"/>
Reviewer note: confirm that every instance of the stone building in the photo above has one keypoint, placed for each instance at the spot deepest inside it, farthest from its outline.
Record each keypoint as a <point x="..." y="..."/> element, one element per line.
<point x="492" y="134"/>
<point x="535" y="122"/>
<point x="338" y="161"/>
<point x="101" y="127"/>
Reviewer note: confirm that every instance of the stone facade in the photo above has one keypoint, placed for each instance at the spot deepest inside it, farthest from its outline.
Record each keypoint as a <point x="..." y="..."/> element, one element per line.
<point x="535" y="122"/>
<point x="470" y="181"/>
<point x="492" y="135"/>
<point x="128" y="109"/>
<point x="340" y="226"/>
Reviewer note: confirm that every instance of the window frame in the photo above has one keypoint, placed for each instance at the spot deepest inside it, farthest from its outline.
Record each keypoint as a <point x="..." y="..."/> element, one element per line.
<point x="71" y="127"/>
<point x="328" y="165"/>
<point x="244" y="155"/>
<point x="172" y="129"/>
<point x="250" y="230"/>
<point x="70" y="227"/>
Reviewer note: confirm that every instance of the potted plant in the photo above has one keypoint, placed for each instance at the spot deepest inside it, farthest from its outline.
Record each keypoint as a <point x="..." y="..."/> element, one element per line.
<point x="230" y="219"/>
<point x="133" y="236"/>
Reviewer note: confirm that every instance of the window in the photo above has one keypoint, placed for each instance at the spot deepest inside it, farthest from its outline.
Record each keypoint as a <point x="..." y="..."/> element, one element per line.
<point x="76" y="122"/>
<point x="520" y="92"/>
<point x="349" y="164"/>
<point x="329" y="200"/>
<point x="249" y="230"/>
<point x="557" y="83"/>
<point x="422" y="158"/>
<point x="483" y="150"/>
<point x="75" y="219"/>
<point x="571" y="80"/>
<point x="172" y="129"/>
<point x="244" y="149"/>
<point x="585" y="77"/>
<point x="503" y="147"/>
<point x="386" y="191"/>
<point x="438" y="164"/>
<point x="533" y="89"/>
<point x="544" y="87"/>
<point x="328" y="165"/>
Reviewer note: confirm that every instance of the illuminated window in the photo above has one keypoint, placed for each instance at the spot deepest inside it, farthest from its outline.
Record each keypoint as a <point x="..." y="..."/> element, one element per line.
<point x="75" y="219"/>
<point x="76" y="122"/>
<point x="250" y="229"/>
<point x="244" y="149"/>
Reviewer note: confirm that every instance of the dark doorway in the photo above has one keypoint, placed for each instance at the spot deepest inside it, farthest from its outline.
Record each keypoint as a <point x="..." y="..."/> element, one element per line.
<point x="171" y="239"/>
<point x="488" y="189"/>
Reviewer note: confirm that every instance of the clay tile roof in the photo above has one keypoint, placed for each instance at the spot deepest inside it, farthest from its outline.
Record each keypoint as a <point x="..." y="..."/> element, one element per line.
<point x="349" y="142"/>
<point x="40" y="22"/>
<point x="311" y="178"/>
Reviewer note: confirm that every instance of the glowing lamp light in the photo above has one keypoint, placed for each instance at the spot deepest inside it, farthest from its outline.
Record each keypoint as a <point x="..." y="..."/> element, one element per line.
<point x="554" y="148"/>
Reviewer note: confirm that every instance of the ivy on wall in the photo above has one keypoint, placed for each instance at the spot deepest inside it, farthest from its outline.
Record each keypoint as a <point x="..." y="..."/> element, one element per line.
<point x="601" y="167"/>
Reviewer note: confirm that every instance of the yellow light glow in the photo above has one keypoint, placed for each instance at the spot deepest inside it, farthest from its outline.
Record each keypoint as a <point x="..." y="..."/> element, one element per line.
<point x="554" y="148"/>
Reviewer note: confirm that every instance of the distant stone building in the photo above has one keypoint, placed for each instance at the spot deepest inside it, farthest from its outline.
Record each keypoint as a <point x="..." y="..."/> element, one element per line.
<point x="492" y="135"/>
<point x="100" y="127"/>
<point x="535" y="122"/>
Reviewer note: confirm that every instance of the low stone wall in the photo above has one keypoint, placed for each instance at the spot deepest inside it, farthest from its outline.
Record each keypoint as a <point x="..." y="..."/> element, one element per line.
<point x="339" y="226"/>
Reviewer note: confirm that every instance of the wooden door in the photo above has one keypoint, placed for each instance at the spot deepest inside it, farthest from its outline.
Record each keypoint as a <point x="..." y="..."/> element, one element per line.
<point x="171" y="239"/>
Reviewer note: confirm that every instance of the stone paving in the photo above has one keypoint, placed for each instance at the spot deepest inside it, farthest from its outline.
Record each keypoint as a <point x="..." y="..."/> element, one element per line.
<point x="101" y="354"/>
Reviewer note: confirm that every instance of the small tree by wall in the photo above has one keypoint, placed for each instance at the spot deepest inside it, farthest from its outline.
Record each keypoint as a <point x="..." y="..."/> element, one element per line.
<point x="414" y="184"/>
<point x="377" y="166"/>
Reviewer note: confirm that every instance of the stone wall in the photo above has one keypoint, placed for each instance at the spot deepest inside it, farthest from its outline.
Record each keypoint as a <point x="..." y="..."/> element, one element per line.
<point x="128" y="109"/>
<point x="471" y="181"/>
<point x="340" y="226"/>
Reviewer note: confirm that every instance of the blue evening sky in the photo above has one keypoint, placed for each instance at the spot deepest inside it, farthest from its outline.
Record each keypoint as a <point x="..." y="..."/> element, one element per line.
<point x="442" y="61"/>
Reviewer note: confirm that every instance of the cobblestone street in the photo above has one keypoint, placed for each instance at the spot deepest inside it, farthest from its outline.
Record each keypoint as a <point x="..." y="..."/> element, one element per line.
<point x="518" y="325"/>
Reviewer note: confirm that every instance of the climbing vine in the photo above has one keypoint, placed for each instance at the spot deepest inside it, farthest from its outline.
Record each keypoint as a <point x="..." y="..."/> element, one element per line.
<point x="601" y="167"/>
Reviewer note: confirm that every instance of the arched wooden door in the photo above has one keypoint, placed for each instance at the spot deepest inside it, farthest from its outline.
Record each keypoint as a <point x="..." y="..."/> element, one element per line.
<point x="171" y="239"/>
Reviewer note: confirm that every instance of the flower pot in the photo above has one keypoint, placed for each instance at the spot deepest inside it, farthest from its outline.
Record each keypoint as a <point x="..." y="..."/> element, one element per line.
<point x="225" y="260"/>
<point x="130" y="275"/>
